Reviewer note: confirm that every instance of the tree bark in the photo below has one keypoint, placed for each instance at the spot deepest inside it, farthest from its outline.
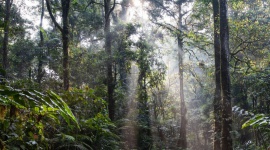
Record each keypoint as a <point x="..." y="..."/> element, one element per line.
<point x="217" y="98"/>
<point x="108" y="49"/>
<point x="182" y="142"/>
<point x="6" y="35"/>
<point x="225" y="78"/>
<point x="65" y="38"/>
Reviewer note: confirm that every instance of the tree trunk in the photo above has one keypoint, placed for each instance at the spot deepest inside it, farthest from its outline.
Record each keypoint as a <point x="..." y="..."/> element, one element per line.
<point x="41" y="44"/>
<point x="65" y="38"/>
<point x="182" y="142"/>
<point x="217" y="98"/>
<point x="6" y="34"/>
<point x="225" y="78"/>
<point x="122" y="66"/>
<point x="108" y="49"/>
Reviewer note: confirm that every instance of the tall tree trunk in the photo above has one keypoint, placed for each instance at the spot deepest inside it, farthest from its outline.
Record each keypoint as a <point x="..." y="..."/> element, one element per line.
<point x="225" y="78"/>
<point x="65" y="37"/>
<point x="108" y="49"/>
<point x="217" y="98"/>
<point x="182" y="143"/>
<point x="41" y="44"/>
<point x="6" y="34"/>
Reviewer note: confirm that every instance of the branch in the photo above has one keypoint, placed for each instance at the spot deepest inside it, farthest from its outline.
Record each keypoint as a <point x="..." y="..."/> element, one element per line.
<point x="52" y="17"/>
<point x="200" y="47"/>
<point x="166" y="10"/>
<point x="169" y="27"/>
<point x="110" y="11"/>
<point x="196" y="78"/>
<point x="246" y="62"/>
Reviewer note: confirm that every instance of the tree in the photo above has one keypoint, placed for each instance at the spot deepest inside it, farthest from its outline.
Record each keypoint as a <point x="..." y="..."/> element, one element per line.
<point x="160" y="10"/>
<point x="151" y="75"/>
<point x="225" y="78"/>
<point x="8" y="4"/>
<point x="40" y="73"/>
<point x="65" y="37"/>
<point x="108" y="48"/>
<point x="144" y="129"/>
<point x="182" y="143"/>
<point x="217" y="97"/>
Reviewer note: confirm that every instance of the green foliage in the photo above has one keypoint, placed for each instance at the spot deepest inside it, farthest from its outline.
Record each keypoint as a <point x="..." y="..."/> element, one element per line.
<point x="250" y="57"/>
<point x="24" y="115"/>
<point x="64" y="141"/>
<point x="97" y="131"/>
<point x="151" y="75"/>
<point x="21" y="56"/>
<point x="88" y="100"/>
<point x="102" y="132"/>
<point x="29" y="120"/>
<point x="34" y="120"/>
<point x="36" y="102"/>
<point x="257" y="124"/>
<point x="258" y="120"/>
<point x="85" y="73"/>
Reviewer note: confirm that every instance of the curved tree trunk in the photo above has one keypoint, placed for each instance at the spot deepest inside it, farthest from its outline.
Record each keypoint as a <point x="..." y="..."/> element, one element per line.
<point x="225" y="78"/>
<point x="217" y="98"/>
<point x="65" y="37"/>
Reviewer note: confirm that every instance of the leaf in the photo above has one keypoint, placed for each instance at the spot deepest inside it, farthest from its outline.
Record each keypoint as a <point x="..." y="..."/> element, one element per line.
<point x="75" y="2"/>
<point x="63" y="107"/>
<point x="44" y="33"/>
<point x="254" y="121"/>
<point x="68" y="137"/>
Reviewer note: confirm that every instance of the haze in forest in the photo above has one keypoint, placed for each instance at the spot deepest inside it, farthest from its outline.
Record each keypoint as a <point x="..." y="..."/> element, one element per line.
<point x="134" y="74"/>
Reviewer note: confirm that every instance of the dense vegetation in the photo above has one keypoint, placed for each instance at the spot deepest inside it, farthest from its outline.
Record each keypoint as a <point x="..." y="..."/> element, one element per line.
<point x="135" y="74"/>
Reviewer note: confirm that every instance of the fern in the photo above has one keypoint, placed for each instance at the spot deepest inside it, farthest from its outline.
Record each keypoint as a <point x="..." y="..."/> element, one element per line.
<point x="32" y="99"/>
<point x="64" y="141"/>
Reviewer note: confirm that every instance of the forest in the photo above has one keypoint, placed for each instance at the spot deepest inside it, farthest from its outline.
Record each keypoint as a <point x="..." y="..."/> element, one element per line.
<point x="135" y="74"/>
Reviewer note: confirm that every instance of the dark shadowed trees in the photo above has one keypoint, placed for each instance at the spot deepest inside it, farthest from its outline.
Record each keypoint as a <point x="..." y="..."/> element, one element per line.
<point x="225" y="78"/>
<point x="108" y="48"/>
<point x="217" y="97"/>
